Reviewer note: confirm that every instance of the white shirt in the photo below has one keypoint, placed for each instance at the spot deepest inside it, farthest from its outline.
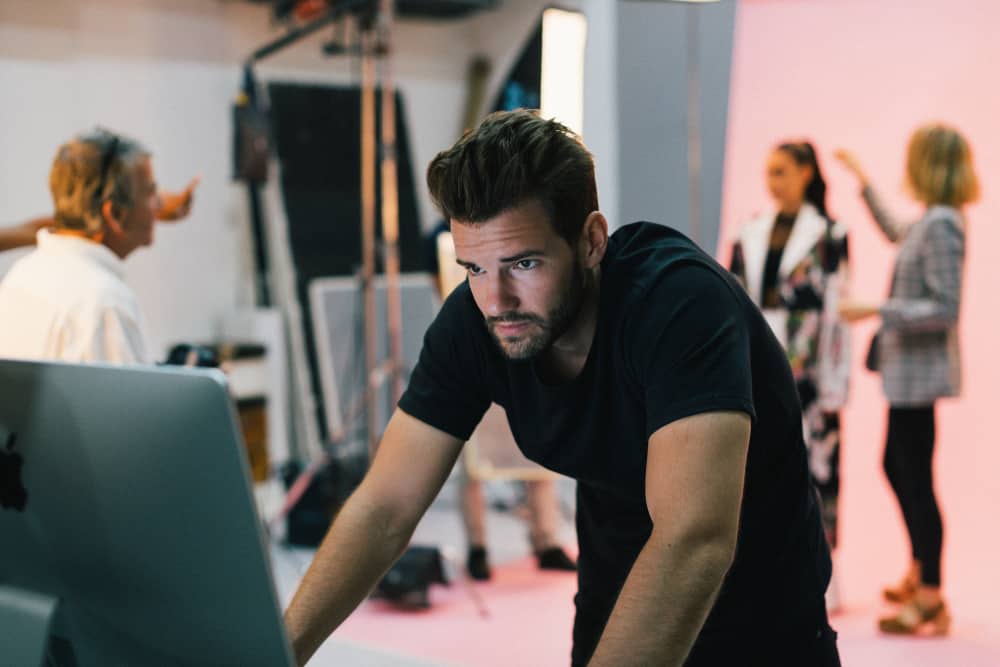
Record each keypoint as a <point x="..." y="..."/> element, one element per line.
<point x="68" y="301"/>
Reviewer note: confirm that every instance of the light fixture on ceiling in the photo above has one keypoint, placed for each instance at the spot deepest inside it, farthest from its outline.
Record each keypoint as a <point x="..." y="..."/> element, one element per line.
<point x="564" y="37"/>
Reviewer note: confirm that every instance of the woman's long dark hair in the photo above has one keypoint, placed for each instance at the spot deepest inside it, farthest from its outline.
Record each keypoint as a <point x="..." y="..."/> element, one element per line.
<point x="805" y="155"/>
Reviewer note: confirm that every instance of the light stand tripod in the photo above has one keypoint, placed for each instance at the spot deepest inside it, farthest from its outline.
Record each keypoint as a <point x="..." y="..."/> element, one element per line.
<point x="376" y="47"/>
<point x="376" y="19"/>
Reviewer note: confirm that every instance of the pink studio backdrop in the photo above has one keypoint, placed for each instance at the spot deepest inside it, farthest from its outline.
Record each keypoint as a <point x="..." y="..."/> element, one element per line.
<point x="863" y="74"/>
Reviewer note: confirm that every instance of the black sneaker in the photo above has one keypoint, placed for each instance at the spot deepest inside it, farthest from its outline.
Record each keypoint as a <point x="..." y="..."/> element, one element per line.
<point x="554" y="558"/>
<point x="477" y="564"/>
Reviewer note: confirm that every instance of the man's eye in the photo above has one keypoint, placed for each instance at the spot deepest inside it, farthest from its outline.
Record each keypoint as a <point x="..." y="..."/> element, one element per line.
<point x="526" y="264"/>
<point x="474" y="270"/>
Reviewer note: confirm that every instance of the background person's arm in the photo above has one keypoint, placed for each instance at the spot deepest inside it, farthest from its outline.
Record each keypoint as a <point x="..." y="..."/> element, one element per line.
<point x="24" y="234"/>
<point x="372" y="529"/>
<point x="893" y="228"/>
<point x="694" y="489"/>
<point x="174" y="206"/>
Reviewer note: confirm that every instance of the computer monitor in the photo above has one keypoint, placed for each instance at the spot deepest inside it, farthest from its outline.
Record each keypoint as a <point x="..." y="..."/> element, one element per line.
<point x="127" y="521"/>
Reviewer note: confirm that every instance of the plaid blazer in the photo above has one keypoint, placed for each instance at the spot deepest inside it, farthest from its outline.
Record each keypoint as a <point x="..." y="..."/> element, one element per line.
<point x="918" y="353"/>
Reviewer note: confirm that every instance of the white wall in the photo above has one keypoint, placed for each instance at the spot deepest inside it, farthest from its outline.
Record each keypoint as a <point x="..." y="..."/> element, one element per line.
<point x="165" y="71"/>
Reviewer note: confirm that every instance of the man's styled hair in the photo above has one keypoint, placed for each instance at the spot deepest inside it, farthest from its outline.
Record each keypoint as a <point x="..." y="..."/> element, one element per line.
<point x="511" y="158"/>
<point x="94" y="167"/>
<point x="939" y="167"/>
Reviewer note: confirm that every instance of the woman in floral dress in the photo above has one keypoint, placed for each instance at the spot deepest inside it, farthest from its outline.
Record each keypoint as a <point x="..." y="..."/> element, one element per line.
<point x="793" y="262"/>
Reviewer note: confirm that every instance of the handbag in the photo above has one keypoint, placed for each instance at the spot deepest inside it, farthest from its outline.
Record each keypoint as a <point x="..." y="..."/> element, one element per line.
<point x="871" y="359"/>
<point x="407" y="581"/>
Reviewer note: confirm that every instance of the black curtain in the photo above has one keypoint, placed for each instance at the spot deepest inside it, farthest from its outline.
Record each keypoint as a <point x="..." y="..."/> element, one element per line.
<point x="317" y="135"/>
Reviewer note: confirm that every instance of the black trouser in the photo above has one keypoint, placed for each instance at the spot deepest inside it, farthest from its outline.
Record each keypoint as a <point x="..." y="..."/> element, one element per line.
<point x="909" y="449"/>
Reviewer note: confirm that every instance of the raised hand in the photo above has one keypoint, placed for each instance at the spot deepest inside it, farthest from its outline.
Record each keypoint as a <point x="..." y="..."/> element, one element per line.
<point x="853" y="310"/>
<point x="850" y="161"/>
<point x="175" y="206"/>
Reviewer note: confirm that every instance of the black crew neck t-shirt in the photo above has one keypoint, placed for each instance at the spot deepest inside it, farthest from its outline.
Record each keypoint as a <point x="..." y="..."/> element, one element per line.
<point x="676" y="336"/>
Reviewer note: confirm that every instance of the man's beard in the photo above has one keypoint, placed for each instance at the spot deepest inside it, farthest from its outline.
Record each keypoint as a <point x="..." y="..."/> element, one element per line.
<point x="529" y="345"/>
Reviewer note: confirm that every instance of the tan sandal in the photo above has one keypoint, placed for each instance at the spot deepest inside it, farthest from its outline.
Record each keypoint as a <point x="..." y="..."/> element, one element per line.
<point x="912" y="619"/>
<point x="905" y="590"/>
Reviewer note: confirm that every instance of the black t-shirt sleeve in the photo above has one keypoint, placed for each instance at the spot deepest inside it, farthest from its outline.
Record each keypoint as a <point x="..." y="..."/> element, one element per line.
<point x="691" y="347"/>
<point x="447" y="388"/>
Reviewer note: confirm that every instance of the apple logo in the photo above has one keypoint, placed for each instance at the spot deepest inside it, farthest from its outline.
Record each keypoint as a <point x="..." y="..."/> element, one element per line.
<point x="12" y="491"/>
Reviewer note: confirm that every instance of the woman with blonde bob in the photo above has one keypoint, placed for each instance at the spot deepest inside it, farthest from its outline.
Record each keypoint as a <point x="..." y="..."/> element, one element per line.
<point x="916" y="351"/>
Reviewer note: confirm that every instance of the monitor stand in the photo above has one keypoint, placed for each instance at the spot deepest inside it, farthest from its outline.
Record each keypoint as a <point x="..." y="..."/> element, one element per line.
<point x="25" y="622"/>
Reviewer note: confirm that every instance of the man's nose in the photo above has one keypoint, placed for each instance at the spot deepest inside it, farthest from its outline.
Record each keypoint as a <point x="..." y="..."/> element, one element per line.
<point x="500" y="295"/>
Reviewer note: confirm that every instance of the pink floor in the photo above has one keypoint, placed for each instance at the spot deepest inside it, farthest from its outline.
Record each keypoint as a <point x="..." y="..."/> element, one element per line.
<point x="530" y="617"/>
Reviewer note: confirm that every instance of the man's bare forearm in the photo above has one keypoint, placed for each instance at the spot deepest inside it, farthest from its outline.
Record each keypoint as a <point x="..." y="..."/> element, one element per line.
<point x="372" y="529"/>
<point x="664" y="602"/>
<point x="360" y="546"/>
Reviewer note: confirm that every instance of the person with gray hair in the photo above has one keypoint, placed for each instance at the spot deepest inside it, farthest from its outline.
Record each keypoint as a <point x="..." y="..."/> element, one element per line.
<point x="174" y="207"/>
<point x="68" y="299"/>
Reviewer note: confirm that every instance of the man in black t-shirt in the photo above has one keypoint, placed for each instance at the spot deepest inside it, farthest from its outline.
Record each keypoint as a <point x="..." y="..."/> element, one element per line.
<point x="634" y="364"/>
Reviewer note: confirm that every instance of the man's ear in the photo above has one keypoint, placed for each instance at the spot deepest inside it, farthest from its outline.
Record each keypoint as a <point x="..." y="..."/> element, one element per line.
<point x="593" y="239"/>
<point x="113" y="217"/>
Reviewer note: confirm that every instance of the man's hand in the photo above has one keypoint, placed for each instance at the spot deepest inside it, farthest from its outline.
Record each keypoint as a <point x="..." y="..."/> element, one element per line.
<point x="175" y="206"/>
<point x="694" y="490"/>
<point x="853" y="310"/>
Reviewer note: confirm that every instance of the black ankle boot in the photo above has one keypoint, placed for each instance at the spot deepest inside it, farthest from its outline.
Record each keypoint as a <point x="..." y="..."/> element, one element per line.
<point x="554" y="558"/>
<point x="477" y="564"/>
